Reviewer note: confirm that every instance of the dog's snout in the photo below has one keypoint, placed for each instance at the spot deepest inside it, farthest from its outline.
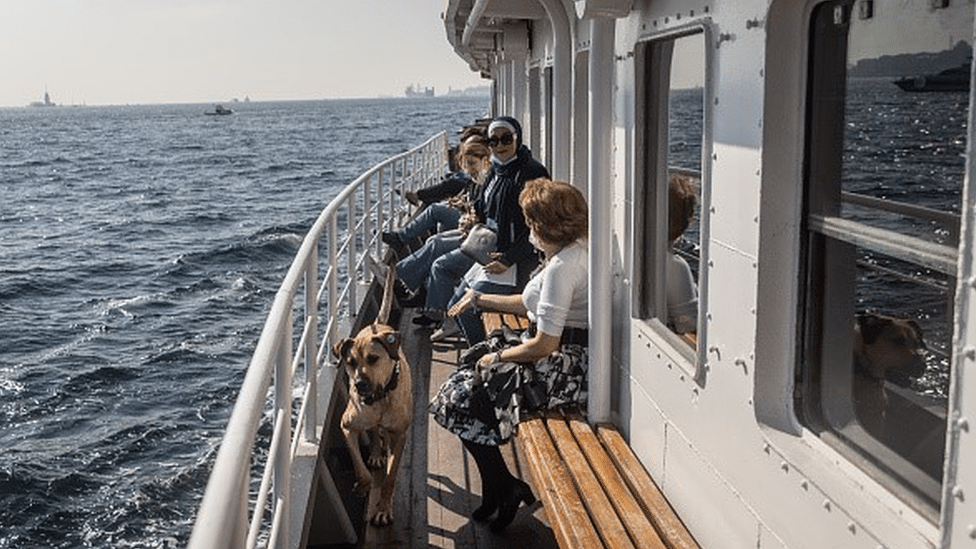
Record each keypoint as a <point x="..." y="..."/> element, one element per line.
<point x="363" y="385"/>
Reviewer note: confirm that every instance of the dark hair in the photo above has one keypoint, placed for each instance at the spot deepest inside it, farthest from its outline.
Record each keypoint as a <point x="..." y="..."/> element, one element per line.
<point x="682" y="199"/>
<point x="475" y="130"/>
<point x="555" y="210"/>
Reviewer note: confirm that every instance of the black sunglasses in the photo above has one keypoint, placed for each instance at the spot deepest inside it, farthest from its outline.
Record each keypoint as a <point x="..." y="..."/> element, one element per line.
<point x="505" y="139"/>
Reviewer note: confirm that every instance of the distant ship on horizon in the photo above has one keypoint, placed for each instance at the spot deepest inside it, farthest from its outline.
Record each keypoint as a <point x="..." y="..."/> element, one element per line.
<point x="417" y="91"/>
<point x="46" y="103"/>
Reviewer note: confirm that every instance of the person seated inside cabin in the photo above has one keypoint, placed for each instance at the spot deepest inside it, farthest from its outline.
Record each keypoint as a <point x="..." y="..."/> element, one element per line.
<point x="682" y="292"/>
<point x="481" y="402"/>
<point x="458" y="190"/>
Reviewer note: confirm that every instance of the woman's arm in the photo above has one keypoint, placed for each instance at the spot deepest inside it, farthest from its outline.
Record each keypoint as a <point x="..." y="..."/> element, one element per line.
<point x="538" y="346"/>
<point x="501" y="303"/>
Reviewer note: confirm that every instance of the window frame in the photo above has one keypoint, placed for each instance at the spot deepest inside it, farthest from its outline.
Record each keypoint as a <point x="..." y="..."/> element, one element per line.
<point x="825" y="397"/>
<point x="649" y="242"/>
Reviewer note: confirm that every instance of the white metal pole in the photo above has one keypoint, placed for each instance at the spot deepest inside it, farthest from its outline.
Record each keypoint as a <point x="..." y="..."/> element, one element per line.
<point x="600" y="204"/>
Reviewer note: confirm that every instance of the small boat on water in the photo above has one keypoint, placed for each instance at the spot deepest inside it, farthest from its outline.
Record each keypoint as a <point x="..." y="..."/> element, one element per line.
<point x="45" y="103"/>
<point x="219" y="110"/>
<point x="955" y="79"/>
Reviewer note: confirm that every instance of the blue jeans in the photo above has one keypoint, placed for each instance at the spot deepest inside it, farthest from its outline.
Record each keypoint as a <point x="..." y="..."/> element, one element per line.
<point x="470" y="321"/>
<point x="445" y="274"/>
<point x="436" y="216"/>
<point x="416" y="267"/>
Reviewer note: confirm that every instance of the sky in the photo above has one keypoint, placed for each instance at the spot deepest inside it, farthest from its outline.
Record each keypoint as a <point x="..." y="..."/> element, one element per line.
<point x="111" y="52"/>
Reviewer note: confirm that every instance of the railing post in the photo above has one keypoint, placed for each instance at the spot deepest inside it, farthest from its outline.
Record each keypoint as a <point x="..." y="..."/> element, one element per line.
<point x="380" y="212"/>
<point x="311" y="342"/>
<point x="282" y="466"/>
<point x="332" y="246"/>
<point x="351" y="253"/>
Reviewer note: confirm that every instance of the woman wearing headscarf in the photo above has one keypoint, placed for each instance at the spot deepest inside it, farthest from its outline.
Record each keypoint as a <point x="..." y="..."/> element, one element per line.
<point x="497" y="206"/>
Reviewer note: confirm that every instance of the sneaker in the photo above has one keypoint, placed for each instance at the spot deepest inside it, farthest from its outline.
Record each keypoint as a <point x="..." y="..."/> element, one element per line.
<point x="447" y="330"/>
<point x="408" y="299"/>
<point x="425" y="321"/>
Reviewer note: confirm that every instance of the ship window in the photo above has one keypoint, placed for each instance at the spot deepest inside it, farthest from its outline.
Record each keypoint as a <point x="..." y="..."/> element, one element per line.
<point x="885" y="157"/>
<point x="670" y="110"/>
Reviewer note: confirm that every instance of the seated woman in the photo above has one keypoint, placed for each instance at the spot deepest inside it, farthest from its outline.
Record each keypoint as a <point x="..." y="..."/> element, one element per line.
<point x="552" y="356"/>
<point x="458" y="191"/>
<point x="497" y="207"/>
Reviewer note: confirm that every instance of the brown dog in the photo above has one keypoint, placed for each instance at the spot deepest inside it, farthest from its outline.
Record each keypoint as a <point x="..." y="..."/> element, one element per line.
<point x="888" y="348"/>
<point x="380" y="402"/>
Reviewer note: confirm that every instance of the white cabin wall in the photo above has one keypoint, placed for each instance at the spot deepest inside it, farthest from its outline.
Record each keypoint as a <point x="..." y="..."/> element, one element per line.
<point x="728" y="475"/>
<point x="719" y="434"/>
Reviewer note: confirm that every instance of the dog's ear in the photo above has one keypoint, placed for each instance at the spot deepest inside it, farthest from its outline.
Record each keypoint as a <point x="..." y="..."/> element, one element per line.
<point x="871" y="326"/>
<point x="391" y="342"/>
<point x="918" y="333"/>
<point x="341" y="348"/>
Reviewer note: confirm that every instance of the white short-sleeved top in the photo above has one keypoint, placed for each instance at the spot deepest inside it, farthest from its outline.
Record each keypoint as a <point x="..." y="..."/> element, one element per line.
<point x="682" y="296"/>
<point x="556" y="296"/>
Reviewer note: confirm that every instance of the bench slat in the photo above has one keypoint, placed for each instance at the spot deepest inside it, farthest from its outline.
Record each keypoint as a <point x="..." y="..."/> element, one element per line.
<point x="554" y="486"/>
<point x="608" y="524"/>
<point x="493" y="321"/>
<point x="641" y="531"/>
<point x="652" y="500"/>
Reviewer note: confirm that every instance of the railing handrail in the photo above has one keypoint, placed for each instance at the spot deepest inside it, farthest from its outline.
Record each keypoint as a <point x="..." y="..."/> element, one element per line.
<point x="223" y="519"/>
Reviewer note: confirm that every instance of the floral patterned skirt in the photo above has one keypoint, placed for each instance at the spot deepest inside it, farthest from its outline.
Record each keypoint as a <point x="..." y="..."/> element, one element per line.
<point x="484" y="407"/>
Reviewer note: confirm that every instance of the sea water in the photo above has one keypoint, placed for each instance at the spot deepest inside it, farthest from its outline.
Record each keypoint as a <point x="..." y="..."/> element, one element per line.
<point x="140" y="250"/>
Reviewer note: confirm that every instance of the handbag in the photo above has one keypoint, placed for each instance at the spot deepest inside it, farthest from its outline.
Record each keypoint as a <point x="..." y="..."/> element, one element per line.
<point x="479" y="243"/>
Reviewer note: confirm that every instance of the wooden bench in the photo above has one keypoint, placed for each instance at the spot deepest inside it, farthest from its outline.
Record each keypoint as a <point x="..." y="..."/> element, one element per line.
<point x="594" y="489"/>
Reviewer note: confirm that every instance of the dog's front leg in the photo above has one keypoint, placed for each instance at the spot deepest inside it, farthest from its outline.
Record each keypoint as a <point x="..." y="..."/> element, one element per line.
<point x="363" y="477"/>
<point x="384" y="510"/>
<point x="377" y="448"/>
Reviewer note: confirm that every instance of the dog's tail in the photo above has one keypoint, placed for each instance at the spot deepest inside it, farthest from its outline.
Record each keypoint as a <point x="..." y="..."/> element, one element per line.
<point x="387" y="303"/>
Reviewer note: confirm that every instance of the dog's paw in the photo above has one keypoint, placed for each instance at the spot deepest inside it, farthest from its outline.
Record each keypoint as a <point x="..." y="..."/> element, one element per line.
<point x="362" y="485"/>
<point x="376" y="461"/>
<point x="383" y="516"/>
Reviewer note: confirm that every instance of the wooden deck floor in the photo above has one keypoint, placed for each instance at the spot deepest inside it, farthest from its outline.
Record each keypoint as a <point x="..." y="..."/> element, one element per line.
<point x="439" y="486"/>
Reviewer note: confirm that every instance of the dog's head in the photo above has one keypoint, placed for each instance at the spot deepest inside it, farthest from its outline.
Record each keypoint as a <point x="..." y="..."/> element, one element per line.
<point x="370" y="359"/>
<point x="889" y="348"/>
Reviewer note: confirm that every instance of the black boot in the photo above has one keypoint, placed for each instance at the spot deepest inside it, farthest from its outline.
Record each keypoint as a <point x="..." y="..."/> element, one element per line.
<point x="482" y="458"/>
<point x="516" y="493"/>
<point x="502" y="491"/>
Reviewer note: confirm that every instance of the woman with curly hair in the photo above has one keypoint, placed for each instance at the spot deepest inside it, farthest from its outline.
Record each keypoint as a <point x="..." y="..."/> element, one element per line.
<point x="481" y="401"/>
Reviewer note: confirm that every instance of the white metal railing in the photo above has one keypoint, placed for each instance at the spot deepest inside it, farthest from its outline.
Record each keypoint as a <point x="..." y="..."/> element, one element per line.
<point x="232" y="514"/>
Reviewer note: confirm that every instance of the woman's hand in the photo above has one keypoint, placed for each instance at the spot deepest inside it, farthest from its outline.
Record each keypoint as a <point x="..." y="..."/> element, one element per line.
<point x="496" y="266"/>
<point x="412" y="197"/>
<point x="468" y="301"/>
<point x="487" y="360"/>
<point x="467" y="221"/>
